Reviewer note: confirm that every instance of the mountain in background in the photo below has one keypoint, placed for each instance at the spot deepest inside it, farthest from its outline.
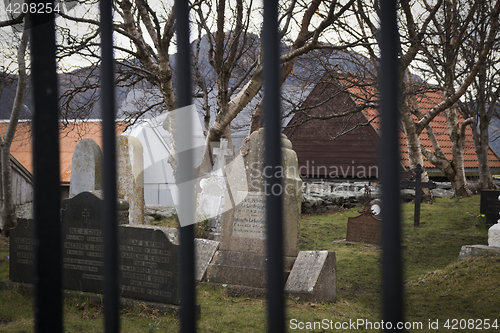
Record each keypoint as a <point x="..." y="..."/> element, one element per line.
<point x="132" y="96"/>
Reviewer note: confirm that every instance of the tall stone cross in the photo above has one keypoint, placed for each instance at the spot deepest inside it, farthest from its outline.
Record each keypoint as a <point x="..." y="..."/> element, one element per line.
<point x="221" y="153"/>
<point x="418" y="185"/>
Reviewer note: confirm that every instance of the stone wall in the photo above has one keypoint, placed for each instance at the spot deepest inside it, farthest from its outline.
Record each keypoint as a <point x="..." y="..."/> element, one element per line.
<point x="322" y="196"/>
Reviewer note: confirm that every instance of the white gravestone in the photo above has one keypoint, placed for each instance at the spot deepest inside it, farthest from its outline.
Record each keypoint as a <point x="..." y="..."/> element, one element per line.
<point x="130" y="165"/>
<point x="213" y="192"/>
<point x="221" y="154"/>
<point x="494" y="235"/>
<point x="86" y="168"/>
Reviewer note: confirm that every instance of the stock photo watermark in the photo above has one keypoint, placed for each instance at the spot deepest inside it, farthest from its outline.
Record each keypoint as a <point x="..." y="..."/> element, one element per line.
<point x="365" y="324"/>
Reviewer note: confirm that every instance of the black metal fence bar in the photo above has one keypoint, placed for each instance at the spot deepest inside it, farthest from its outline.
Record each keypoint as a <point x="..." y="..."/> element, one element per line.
<point x="46" y="205"/>
<point x="274" y="205"/>
<point x="184" y="91"/>
<point x="109" y="217"/>
<point x="392" y="289"/>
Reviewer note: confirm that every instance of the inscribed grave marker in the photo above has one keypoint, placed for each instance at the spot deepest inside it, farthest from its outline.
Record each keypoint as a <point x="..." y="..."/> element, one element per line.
<point x="249" y="217"/>
<point x="241" y="257"/>
<point x="149" y="264"/>
<point x="252" y="153"/>
<point x="82" y="244"/>
<point x="21" y="262"/>
<point x="149" y="256"/>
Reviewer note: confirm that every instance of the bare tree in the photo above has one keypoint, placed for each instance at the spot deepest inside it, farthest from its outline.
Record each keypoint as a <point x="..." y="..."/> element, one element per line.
<point x="413" y="30"/>
<point x="231" y="45"/>
<point x="441" y="55"/>
<point x="435" y="41"/>
<point x="480" y="102"/>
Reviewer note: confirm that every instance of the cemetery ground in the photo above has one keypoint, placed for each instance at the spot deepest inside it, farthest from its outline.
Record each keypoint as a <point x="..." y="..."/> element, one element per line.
<point x="437" y="285"/>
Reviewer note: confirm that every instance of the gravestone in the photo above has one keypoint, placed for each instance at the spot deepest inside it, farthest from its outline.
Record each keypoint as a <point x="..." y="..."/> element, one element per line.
<point x="148" y="261"/>
<point x="364" y="228"/>
<point x="213" y="193"/>
<point x="221" y="152"/>
<point x="211" y="203"/>
<point x="313" y="277"/>
<point x="82" y="243"/>
<point x="86" y="166"/>
<point x="490" y="205"/>
<point x="241" y="259"/>
<point x="22" y="257"/>
<point x="477" y="251"/>
<point x="149" y="264"/>
<point x="205" y="250"/>
<point x="130" y="169"/>
<point x="494" y="235"/>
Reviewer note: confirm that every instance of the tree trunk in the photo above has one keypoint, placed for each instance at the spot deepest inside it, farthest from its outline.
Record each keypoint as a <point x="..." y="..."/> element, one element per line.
<point x="8" y="209"/>
<point x="457" y="138"/>
<point x="409" y="106"/>
<point x="454" y="169"/>
<point x="481" y="144"/>
<point x="414" y="151"/>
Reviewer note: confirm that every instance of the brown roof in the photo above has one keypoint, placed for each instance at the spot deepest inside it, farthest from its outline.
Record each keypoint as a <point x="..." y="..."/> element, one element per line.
<point x="341" y="92"/>
<point x="70" y="134"/>
<point x="319" y="151"/>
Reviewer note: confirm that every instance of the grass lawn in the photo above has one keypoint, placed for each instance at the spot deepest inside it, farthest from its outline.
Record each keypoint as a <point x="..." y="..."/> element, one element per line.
<point x="437" y="286"/>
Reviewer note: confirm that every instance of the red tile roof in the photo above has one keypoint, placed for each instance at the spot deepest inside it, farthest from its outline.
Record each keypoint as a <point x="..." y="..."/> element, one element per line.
<point x="426" y="102"/>
<point x="69" y="134"/>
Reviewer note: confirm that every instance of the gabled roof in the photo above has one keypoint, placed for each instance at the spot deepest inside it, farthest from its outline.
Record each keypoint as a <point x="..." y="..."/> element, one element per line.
<point x="340" y="92"/>
<point x="426" y="101"/>
<point x="69" y="136"/>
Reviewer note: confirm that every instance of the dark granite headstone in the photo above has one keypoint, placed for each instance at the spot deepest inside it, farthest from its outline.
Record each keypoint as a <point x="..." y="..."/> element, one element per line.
<point x="490" y="205"/>
<point x="82" y="246"/>
<point x="149" y="264"/>
<point x="149" y="256"/>
<point x="364" y="228"/>
<point x="21" y="262"/>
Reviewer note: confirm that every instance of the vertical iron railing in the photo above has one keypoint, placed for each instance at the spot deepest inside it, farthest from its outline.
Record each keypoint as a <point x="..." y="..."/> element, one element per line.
<point x="185" y="160"/>
<point x="274" y="204"/>
<point x="109" y="216"/>
<point x="392" y="283"/>
<point x="47" y="195"/>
